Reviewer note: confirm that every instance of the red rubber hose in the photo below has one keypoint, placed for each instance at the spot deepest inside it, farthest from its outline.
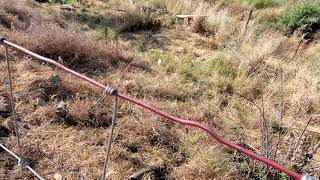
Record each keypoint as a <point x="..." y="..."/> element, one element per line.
<point x="164" y="114"/>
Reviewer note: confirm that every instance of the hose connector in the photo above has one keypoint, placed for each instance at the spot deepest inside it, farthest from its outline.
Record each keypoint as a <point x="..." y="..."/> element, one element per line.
<point x="22" y="163"/>
<point x="110" y="90"/>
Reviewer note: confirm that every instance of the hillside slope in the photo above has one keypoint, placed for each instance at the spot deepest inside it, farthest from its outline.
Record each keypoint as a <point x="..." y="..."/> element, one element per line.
<point x="254" y="80"/>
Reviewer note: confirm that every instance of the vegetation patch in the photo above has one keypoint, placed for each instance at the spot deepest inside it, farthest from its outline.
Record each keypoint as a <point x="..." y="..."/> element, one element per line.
<point x="201" y="26"/>
<point x="13" y="16"/>
<point x="304" y="16"/>
<point x="138" y="20"/>
<point x="260" y="4"/>
<point x="225" y="68"/>
<point x="76" y="50"/>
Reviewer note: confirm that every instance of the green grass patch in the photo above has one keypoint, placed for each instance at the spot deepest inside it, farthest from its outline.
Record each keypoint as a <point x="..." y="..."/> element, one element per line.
<point x="108" y="33"/>
<point x="188" y="71"/>
<point x="93" y="20"/>
<point x="304" y="16"/>
<point x="225" y="67"/>
<point x="261" y="4"/>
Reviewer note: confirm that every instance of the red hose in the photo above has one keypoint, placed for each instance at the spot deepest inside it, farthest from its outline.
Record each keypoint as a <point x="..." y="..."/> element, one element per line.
<point x="214" y="135"/>
<point x="165" y="115"/>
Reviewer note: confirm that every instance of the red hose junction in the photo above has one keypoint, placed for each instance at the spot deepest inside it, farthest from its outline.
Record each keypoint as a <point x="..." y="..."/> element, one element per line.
<point x="113" y="91"/>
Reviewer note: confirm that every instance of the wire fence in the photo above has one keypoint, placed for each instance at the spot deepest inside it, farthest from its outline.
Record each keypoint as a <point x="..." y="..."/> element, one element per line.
<point x="112" y="91"/>
<point x="21" y="162"/>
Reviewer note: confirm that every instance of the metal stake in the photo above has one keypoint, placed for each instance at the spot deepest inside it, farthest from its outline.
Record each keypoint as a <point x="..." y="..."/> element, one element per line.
<point x="110" y="137"/>
<point x="13" y="106"/>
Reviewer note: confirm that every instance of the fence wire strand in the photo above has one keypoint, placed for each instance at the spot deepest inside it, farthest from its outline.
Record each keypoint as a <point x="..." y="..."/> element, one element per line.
<point x="21" y="162"/>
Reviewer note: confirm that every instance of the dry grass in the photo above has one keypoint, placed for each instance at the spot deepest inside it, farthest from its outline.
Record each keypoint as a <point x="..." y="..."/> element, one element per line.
<point x="15" y="16"/>
<point x="136" y="19"/>
<point x="190" y="75"/>
<point x="75" y="50"/>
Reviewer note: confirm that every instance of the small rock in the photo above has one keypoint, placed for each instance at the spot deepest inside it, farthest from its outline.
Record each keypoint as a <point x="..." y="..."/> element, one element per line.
<point x="149" y="172"/>
<point x="61" y="106"/>
<point x="5" y="108"/>
<point x="67" y="7"/>
<point x="58" y="176"/>
<point x="61" y="110"/>
<point x="159" y="61"/>
<point x="40" y="102"/>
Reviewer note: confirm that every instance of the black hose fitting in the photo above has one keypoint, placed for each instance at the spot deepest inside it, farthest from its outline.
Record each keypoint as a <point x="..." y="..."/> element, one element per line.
<point x="2" y="39"/>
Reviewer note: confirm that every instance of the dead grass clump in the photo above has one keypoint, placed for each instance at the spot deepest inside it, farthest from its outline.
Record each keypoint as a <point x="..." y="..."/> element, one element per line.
<point x="15" y="15"/>
<point x="164" y="138"/>
<point x="8" y="166"/>
<point x="206" y="164"/>
<point x="32" y="155"/>
<point x="45" y="90"/>
<point x="87" y="113"/>
<point x="200" y="26"/>
<point x="75" y="50"/>
<point x="223" y="27"/>
<point x="138" y="20"/>
<point x="169" y="93"/>
<point x="42" y="114"/>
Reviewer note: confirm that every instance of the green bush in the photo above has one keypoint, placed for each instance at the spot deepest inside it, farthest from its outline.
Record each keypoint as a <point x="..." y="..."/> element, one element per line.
<point x="260" y="4"/>
<point x="304" y="15"/>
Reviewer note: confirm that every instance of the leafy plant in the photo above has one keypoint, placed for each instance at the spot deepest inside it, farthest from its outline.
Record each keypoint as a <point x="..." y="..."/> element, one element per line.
<point x="304" y="15"/>
<point x="284" y="176"/>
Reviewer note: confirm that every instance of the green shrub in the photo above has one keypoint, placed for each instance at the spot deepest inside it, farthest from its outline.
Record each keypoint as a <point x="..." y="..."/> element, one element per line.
<point x="304" y="15"/>
<point x="260" y="4"/>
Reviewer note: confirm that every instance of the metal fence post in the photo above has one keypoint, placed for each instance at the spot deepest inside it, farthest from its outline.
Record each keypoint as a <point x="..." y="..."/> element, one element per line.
<point x="110" y="138"/>
<point x="13" y="105"/>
